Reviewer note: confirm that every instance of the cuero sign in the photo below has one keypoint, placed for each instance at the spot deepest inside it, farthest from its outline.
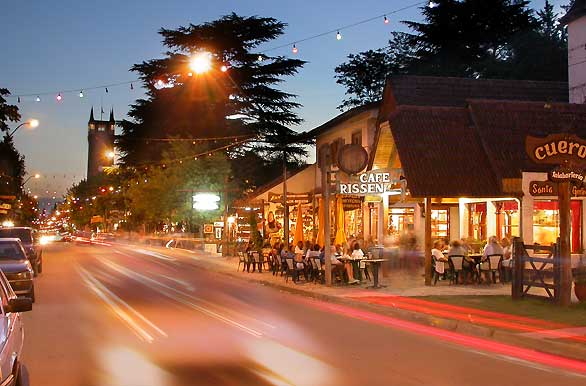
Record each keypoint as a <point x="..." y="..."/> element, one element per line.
<point x="556" y="149"/>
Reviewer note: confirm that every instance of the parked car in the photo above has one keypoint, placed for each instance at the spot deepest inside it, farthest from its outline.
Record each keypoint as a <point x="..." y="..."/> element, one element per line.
<point x="30" y="242"/>
<point x="17" y="268"/>
<point x="12" y="333"/>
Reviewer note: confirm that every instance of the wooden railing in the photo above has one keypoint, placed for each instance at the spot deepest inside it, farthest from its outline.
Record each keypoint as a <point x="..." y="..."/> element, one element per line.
<point x="541" y="270"/>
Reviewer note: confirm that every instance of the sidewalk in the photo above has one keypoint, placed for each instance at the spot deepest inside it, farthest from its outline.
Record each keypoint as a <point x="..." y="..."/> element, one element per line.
<point x="405" y="297"/>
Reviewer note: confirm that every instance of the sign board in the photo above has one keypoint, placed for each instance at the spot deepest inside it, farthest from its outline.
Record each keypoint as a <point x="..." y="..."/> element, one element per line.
<point x="206" y="201"/>
<point x="566" y="174"/>
<point x="352" y="202"/>
<point x="96" y="219"/>
<point x="218" y="224"/>
<point x="556" y="149"/>
<point x="370" y="183"/>
<point x="2" y="211"/>
<point x="548" y="188"/>
<point x="5" y="206"/>
<point x="208" y="228"/>
<point x="7" y="197"/>
<point x="292" y="198"/>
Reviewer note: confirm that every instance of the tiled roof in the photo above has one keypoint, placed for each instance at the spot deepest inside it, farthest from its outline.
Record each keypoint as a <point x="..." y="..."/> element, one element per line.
<point x="441" y="155"/>
<point x="447" y="91"/>
<point x="466" y="151"/>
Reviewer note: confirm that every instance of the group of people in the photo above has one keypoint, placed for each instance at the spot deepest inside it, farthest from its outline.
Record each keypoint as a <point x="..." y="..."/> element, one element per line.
<point x="303" y="252"/>
<point x="469" y="265"/>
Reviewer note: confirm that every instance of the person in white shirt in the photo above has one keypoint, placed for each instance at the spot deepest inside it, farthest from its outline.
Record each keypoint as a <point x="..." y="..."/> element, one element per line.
<point x="440" y="259"/>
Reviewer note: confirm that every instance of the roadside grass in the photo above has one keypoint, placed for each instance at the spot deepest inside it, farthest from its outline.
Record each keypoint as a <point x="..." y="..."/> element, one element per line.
<point x="574" y="315"/>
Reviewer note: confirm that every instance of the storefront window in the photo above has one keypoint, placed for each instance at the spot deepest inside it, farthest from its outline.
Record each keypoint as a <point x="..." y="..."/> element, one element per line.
<point x="401" y="220"/>
<point x="440" y="223"/>
<point x="546" y="223"/>
<point x="507" y="219"/>
<point x="477" y="221"/>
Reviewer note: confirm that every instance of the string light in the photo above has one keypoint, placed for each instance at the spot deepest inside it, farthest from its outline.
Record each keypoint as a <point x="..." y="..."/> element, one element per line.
<point x="131" y="86"/>
<point x="106" y="90"/>
<point x="59" y="97"/>
<point x="338" y="36"/>
<point x="432" y="4"/>
<point x="224" y="68"/>
<point x="81" y="93"/>
<point x="38" y="98"/>
<point x="295" y="50"/>
<point x="386" y="20"/>
<point x="260" y="58"/>
<point x="18" y="99"/>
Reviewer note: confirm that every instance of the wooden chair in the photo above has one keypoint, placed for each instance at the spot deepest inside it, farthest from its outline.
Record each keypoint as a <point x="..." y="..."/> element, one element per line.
<point x="257" y="261"/>
<point x="318" y="271"/>
<point x="491" y="265"/>
<point x="456" y="263"/>
<point x="289" y="270"/>
<point x="241" y="260"/>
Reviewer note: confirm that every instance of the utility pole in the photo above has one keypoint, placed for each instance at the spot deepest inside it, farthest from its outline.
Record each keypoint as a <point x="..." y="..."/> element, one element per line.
<point x="285" y="206"/>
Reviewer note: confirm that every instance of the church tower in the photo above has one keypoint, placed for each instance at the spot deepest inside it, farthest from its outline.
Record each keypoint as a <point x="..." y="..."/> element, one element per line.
<point x="575" y="19"/>
<point x="100" y="138"/>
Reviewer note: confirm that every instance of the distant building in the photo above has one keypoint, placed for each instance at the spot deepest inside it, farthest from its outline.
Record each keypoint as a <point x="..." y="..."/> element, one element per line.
<point x="100" y="144"/>
<point x="575" y="19"/>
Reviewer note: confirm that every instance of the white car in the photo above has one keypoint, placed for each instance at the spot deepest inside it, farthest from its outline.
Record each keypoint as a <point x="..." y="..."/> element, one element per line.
<point x="11" y="334"/>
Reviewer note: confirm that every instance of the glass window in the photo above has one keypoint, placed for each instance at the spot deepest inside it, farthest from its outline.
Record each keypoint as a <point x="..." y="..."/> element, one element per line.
<point x="477" y="221"/>
<point x="440" y="223"/>
<point x="401" y="220"/>
<point x="25" y="235"/>
<point x="546" y="223"/>
<point x="357" y="138"/>
<point x="507" y="219"/>
<point x="10" y="250"/>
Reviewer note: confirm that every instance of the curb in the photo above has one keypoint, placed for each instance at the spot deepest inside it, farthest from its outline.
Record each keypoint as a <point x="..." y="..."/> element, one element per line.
<point x="568" y="350"/>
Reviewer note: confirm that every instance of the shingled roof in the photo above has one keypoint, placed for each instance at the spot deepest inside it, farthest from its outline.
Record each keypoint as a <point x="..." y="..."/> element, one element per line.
<point x="577" y="10"/>
<point x="448" y="91"/>
<point x="467" y="151"/>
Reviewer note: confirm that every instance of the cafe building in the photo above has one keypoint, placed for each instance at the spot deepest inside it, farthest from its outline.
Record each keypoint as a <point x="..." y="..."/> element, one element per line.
<point x="461" y="143"/>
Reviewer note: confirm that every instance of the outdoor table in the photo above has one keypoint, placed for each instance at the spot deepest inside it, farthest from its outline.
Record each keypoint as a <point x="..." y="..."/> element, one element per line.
<point x="375" y="266"/>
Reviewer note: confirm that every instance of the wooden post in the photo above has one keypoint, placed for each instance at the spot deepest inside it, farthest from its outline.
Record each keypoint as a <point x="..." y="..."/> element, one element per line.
<point x="285" y="206"/>
<point x="518" y="267"/>
<point x="326" y="224"/>
<point x="225" y="235"/>
<point x="428" y="243"/>
<point x="565" y="295"/>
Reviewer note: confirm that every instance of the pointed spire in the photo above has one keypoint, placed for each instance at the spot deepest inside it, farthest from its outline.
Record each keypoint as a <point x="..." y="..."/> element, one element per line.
<point x="92" y="115"/>
<point x="112" y="115"/>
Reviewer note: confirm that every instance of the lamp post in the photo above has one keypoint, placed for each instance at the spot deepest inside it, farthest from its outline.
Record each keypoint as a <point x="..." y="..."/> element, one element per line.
<point x="31" y="122"/>
<point x="35" y="176"/>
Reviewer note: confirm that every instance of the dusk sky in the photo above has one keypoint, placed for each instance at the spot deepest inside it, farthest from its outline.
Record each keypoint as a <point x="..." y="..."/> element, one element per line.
<point x="52" y="46"/>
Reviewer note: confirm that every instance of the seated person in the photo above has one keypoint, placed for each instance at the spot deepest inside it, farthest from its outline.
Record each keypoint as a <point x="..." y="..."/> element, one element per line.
<point x="440" y="259"/>
<point x="299" y="248"/>
<point x="457" y="249"/>
<point x="492" y="248"/>
<point x="314" y="252"/>
<point x="507" y="252"/>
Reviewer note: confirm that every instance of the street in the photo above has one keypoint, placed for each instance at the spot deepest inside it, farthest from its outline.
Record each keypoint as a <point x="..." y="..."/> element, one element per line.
<point x="128" y="316"/>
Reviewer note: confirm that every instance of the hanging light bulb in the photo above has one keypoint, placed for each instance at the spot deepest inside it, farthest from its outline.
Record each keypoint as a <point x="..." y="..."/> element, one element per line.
<point x="260" y="58"/>
<point x="385" y="20"/>
<point x="190" y="74"/>
<point x="295" y="50"/>
<point x="59" y="97"/>
<point x="106" y="90"/>
<point x="432" y="4"/>
<point x="38" y="98"/>
<point x="18" y="99"/>
<point x="81" y="93"/>
<point x="338" y="36"/>
<point x="224" y="68"/>
<point x="131" y="86"/>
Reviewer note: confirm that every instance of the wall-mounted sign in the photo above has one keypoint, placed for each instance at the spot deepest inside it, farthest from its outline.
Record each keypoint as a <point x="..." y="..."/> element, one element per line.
<point x="542" y="188"/>
<point x="292" y="198"/>
<point x="5" y="206"/>
<point x="556" y="149"/>
<point x="352" y="158"/>
<point x="219" y="224"/>
<point x="370" y="183"/>
<point x="352" y="202"/>
<point x="566" y="174"/>
<point x="208" y="228"/>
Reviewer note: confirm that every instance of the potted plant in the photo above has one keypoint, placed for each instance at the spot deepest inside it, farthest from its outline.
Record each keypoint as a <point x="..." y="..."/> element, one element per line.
<point x="580" y="281"/>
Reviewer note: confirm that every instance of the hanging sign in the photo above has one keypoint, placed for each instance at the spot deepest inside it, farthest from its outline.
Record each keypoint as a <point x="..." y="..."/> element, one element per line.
<point x="352" y="202"/>
<point x="292" y="198"/>
<point x="352" y="158"/>
<point x="566" y="174"/>
<point x="556" y="149"/>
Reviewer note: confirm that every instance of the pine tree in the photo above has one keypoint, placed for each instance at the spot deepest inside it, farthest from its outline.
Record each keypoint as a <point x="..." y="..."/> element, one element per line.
<point x="244" y="100"/>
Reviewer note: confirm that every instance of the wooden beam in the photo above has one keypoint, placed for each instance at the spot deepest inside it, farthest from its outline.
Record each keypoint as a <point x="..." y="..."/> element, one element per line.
<point x="428" y="243"/>
<point x="565" y="296"/>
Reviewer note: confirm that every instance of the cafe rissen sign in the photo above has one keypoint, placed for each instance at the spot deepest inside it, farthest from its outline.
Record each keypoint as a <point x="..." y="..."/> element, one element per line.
<point x="370" y="183"/>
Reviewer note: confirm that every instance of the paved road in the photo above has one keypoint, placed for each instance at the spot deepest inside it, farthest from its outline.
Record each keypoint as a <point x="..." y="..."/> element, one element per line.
<point x="126" y="316"/>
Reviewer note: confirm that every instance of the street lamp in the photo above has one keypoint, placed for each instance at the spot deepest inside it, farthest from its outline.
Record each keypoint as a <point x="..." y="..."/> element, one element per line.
<point x="110" y="154"/>
<point x="35" y="176"/>
<point x="201" y="62"/>
<point x="32" y="123"/>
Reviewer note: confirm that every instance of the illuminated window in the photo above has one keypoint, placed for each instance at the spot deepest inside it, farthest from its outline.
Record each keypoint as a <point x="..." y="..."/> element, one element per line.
<point x="440" y="223"/>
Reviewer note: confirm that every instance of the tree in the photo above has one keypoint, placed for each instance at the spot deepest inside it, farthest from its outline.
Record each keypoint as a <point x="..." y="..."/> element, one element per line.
<point x="12" y="169"/>
<point x="7" y="112"/>
<point x="243" y="100"/>
<point x="464" y="38"/>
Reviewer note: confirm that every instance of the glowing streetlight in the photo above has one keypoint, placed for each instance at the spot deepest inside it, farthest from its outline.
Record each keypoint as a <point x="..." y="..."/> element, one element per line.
<point x="35" y="176"/>
<point x="110" y="154"/>
<point x="201" y="62"/>
<point x="32" y="123"/>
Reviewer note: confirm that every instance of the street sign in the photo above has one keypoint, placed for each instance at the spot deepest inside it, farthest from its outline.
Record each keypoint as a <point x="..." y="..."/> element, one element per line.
<point x="556" y="149"/>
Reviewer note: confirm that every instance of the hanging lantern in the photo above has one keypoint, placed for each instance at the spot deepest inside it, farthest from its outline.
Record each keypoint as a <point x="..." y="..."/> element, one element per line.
<point x="295" y="50"/>
<point x="338" y="36"/>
